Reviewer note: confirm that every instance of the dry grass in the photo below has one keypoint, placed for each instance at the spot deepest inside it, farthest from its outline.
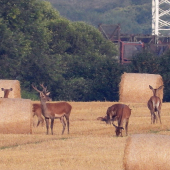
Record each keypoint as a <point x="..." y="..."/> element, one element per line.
<point x="90" y="145"/>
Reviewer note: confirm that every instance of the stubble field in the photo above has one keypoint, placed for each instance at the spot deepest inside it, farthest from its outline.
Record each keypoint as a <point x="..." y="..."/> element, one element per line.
<point x="90" y="145"/>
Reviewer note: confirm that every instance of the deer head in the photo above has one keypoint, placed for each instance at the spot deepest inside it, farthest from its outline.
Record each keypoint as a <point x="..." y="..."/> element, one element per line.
<point x="155" y="91"/>
<point x="44" y="95"/>
<point x="6" y="92"/>
<point x="118" y="129"/>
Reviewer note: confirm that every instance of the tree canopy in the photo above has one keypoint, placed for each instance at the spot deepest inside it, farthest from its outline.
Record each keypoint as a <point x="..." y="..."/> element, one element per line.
<point x="38" y="45"/>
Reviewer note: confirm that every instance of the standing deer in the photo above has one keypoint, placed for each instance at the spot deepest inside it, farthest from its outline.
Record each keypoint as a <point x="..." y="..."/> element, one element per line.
<point x="6" y="92"/>
<point x="38" y="112"/>
<point x="154" y="105"/>
<point x="53" y="110"/>
<point x="119" y="113"/>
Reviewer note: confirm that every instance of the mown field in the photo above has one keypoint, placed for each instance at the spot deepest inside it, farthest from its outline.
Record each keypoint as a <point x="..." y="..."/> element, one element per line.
<point x="90" y="145"/>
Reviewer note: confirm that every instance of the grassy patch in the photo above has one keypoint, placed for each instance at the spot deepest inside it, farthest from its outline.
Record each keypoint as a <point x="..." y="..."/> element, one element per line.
<point x="154" y="131"/>
<point x="33" y="142"/>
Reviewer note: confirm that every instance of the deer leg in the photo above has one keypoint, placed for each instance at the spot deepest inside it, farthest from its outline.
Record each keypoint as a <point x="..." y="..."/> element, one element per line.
<point x="126" y="126"/>
<point x="52" y="123"/>
<point x="120" y="124"/>
<point x="156" y="114"/>
<point x="41" y="120"/>
<point x="120" y="130"/>
<point x="47" y="124"/>
<point x="38" y="123"/>
<point x="151" y="117"/>
<point x="121" y="133"/>
<point x="33" y="117"/>
<point x="63" y="123"/>
<point x="154" y="118"/>
<point x="67" y="119"/>
<point x="159" y="115"/>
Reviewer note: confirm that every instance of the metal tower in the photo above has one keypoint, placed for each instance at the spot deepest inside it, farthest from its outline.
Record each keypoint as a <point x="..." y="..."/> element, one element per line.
<point x="160" y="17"/>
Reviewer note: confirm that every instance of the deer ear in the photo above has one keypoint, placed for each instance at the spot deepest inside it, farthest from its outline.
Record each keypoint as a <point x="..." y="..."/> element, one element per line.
<point x="151" y="87"/>
<point x="160" y="87"/>
<point x="42" y="94"/>
<point x="48" y="93"/>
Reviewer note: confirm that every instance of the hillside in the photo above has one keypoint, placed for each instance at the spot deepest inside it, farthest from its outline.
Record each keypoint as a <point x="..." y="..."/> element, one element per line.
<point x="133" y="15"/>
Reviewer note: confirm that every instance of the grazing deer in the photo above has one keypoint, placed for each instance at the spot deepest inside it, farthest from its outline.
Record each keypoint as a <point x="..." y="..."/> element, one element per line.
<point x="37" y="111"/>
<point x="6" y="92"/>
<point x="119" y="113"/>
<point x="154" y="105"/>
<point x="53" y="110"/>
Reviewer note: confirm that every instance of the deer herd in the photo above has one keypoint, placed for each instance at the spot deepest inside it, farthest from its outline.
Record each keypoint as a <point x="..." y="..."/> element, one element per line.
<point x="61" y="110"/>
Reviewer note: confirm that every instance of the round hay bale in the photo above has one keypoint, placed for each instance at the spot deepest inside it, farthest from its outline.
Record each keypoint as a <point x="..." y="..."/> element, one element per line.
<point x="14" y="84"/>
<point x="15" y="116"/>
<point x="134" y="87"/>
<point x="147" y="152"/>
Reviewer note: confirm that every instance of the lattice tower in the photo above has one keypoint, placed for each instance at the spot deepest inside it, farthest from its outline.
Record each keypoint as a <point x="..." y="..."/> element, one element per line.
<point x="160" y="17"/>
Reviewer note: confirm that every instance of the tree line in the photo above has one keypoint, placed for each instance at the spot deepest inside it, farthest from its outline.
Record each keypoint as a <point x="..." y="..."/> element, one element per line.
<point x="72" y="59"/>
<point x="134" y="16"/>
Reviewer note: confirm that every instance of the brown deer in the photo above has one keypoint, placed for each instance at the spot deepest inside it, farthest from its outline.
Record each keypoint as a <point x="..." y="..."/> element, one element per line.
<point x="6" y="92"/>
<point x="119" y="113"/>
<point x="53" y="110"/>
<point x="154" y="104"/>
<point x="37" y="111"/>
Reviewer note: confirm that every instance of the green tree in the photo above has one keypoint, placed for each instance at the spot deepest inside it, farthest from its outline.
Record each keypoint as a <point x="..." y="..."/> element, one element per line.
<point x="149" y="63"/>
<point x="39" y="46"/>
<point x="13" y="48"/>
<point x="145" y="62"/>
<point x="164" y="70"/>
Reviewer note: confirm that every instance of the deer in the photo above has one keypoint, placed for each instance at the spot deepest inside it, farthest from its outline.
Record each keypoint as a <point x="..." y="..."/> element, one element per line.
<point x="154" y="105"/>
<point x="53" y="110"/>
<point x="120" y="113"/>
<point x="37" y="111"/>
<point x="6" y="92"/>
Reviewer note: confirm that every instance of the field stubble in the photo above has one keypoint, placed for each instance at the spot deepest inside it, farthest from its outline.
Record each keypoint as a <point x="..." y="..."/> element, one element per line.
<point x="90" y="145"/>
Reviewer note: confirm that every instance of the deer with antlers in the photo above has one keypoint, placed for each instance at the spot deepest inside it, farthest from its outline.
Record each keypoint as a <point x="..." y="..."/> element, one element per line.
<point x="53" y="110"/>
<point x="37" y="111"/>
<point x="6" y="92"/>
<point x="154" y="105"/>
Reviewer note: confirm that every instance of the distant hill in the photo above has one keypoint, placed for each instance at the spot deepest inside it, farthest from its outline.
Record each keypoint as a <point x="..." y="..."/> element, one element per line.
<point x="133" y="15"/>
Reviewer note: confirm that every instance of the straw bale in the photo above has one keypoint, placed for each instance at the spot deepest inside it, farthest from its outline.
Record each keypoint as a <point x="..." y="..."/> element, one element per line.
<point x="15" y="116"/>
<point x="147" y="152"/>
<point x="134" y="87"/>
<point x="14" y="84"/>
